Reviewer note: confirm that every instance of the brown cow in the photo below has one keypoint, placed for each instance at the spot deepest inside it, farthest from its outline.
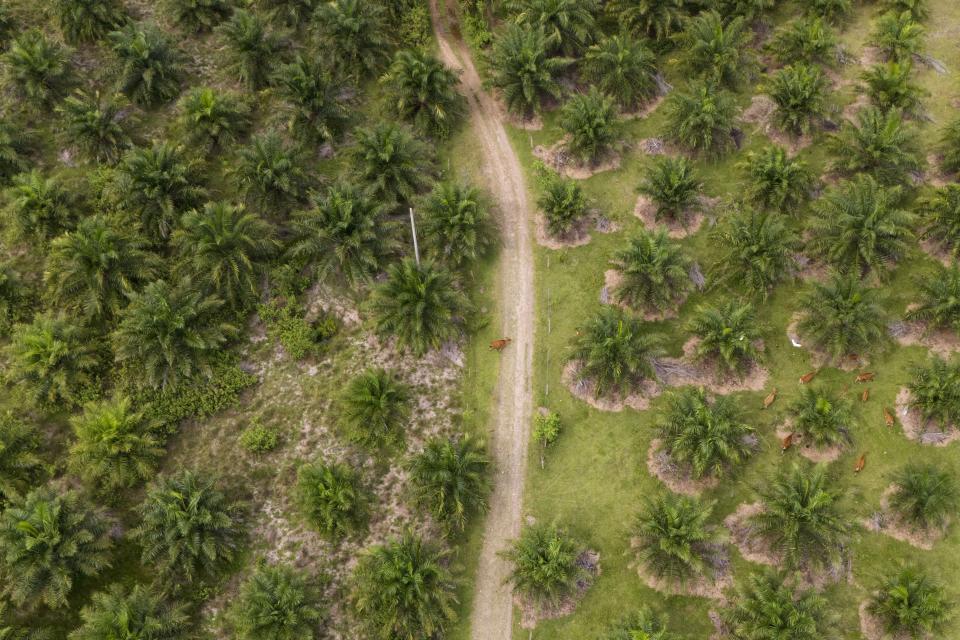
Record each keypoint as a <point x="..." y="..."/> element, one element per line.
<point x="770" y="398"/>
<point x="866" y="376"/>
<point x="498" y="345"/>
<point x="888" y="417"/>
<point x="865" y="395"/>
<point x="807" y="377"/>
<point x="861" y="463"/>
<point x="787" y="442"/>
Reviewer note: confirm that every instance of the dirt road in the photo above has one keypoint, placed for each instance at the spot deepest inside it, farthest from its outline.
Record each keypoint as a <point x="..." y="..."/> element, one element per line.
<point x="492" y="605"/>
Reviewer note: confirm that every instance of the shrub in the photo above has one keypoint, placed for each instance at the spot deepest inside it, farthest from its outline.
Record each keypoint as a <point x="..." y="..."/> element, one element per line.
<point x="258" y="438"/>
<point x="546" y="428"/>
<point x="544" y="560"/>
<point x="287" y="325"/>
<point x="197" y="397"/>
<point x="644" y="624"/>
<point x="332" y="499"/>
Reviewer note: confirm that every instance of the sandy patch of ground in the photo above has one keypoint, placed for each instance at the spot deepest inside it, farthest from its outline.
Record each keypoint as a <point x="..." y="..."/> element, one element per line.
<point x="811" y="270"/>
<point x="577" y="237"/>
<point x="918" y="429"/>
<point x="320" y="299"/>
<point x="871" y="56"/>
<point x="645" y="110"/>
<point x="533" y="612"/>
<point x="942" y="342"/>
<point x="533" y="123"/>
<point x="583" y="389"/>
<point x="818" y="357"/>
<point x="676" y="478"/>
<point x="689" y="224"/>
<point x="887" y="522"/>
<point x="559" y="159"/>
<point x="805" y="449"/>
<point x="608" y="295"/>
<point x="760" y="113"/>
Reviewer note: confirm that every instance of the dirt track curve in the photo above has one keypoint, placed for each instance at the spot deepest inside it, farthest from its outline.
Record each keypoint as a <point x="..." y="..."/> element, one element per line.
<point x="491" y="617"/>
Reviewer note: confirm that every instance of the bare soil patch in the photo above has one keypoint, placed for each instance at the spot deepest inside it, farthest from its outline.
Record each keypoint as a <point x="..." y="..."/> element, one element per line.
<point x="935" y="175"/>
<point x="533" y="612"/>
<point x="608" y="295"/>
<point x="919" y="429"/>
<point x="559" y="159"/>
<point x="676" y="478"/>
<point x="687" y="225"/>
<point x="851" y="110"/>
<point x="937" y="251"/>
<point x="577" y="237"/>
<point x="887" y="522"/>
<point x="942" y="342"/>
<point x="583" y="389"/>
<point x="742" y="535"/>
<point x="871" y="56"/>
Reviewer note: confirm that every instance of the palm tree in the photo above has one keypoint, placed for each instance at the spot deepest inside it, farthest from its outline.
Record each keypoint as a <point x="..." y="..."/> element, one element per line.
<point x="643" y="624"/>
<point x="702" y="118"/>
<point x="523" y="70"/>
<point x="356" y="30"/>
<point x="450" y="479"/>
<point x="757" y="251"/>
<point x="569" y="25"/>
<point x="655" y="272"/>
<point x="935" y="391"/>
<point x="212" y="118"/>
<point x="889" y="87"/>
<point x="424" y="92"/>
<point x="318" y="110"/>
<point x="83" y="21"/>
<point x="6" y="25"/>
<point x="926" y="496"/>
<point x="918" y="9"/>
<point x="48" y="541"/>
<point x="843" y="316"/>
<point x="40" y="206"/>
<point x="224" y="248"/>
<point x="822" y="417"/>
<point x="910" y="604"/>
<point x="657" y="19"/>
<point x="879" y="144"/>
<point x="20" y="465"/>
<point x="898" y="36"/>
<point x="272" y="173"/>
<point x="834" y="11"/>
<point x="12" y="298"/>
<point x="456" y="224"/>
<point x="777" y="181"/>
<point x="763" y="607"/>
<point x="859" y="226"/>
<point x="198" y="15"/>
<point x="420" y="305"/>
<point x="139" y="612"/>
<point x="672" y="538"/>
<point x="706" y="437"/>
<point x="292" y="12"/>
<point x="717" y="49"/>
<point x="395" y="164"/>
<point x="949" y="147"/>
<point x="800" y="518"/>
<point x="544" y="559"/>
<point x="375" y="407"/>
<point x="36" y="70"/>
<point x="277" y="602"/>
<point x="52" y="360"/>
<point x="941" y="214"/>
<point x="93" y="268"/>
<point x="750" y="10"/>
<point x="188" y="527"/>
<point x="151" y="67"/>
<point x="403" y="589"/>
<point x="332" y="499"/>
<point x="624" y="68"/>
<point x="117" y="447"/>
<point x="97" y="126"/>
<point x="672" y="183"/>
<point x="13" y="150"/>
<point x="251" y="48"/>
<point x="590" y="121"/>
<point x="800" y="92"/>
<point x="939" y="299"/>
<point x="156" y="184"/>
<point x="169" y="334"/>
<point x="727" y="334"/>
<point x="808" y="40"/>
<point x="616" y="352"/>
<point x="564" y="204"/>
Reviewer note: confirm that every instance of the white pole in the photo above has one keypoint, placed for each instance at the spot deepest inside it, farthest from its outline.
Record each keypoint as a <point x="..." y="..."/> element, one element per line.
<point x="413" y="230"/>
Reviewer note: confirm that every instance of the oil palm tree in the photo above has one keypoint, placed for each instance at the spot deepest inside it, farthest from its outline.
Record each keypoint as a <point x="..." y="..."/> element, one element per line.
<point x="394" y="163"/>
<point x="949" y="146"/>
<point x="450" y="480"/>
<point x="36" y="70"/>
<point x="317" y="108"/>
<point x="423" y="92"/>
<point x="523" y="69"/>
<point x="403" y="589"/>
<point x="40" y="207"/>
<point x="21" y="466"/>
<point x="644" y="624"/>
<point x="823" y="418"/>
<point x="728" y="334"/>
<point x="616" y="352"/>
<point x="880" y="144"/>
<point x="224" y="249"/>
<point x="99" y="127"/>
<point x="375" y="407"/>
<point x="590" y="121"/>
<point x="654" y="271"/>
<point x="844" y="318"/>
<point x="800" y="517"/>
<point x="672" y="183"/>
<point x="332" y="499"/>
<point x="151" y="67"/>
<point x="569" y="25"/>
<point x="251" y="48"/>
<point x="13" y="150"/>
<point x="910" y="604"/>
<point x="898" y="36"/>
<point x="564" y="204"/>
<point x="708" y="438"/>
<point x="717" y="49"/>
<point x="212" y="118"/>
<point x="93" y="268"/>
<point x="83" y="21"/>
<point x="701" y="118"/>
<point x="935" y="391"/>
<point x="187" y="527"/>
<point x="276" y="602"/>
<point x="859" y="226"/>
<point x="116" y="447"/>
<point x="421" y="305"/>
<point x="940" y="212"/>
<point x="800" y="92"/>
<point x="926" y="496"/>
<point x="939" y="299"/>
<point x="624" y="68"/>
<point x="156" y="184"/>
<point x="138" y="612"/>
<point x="170" y="333"/>
<point x="657" y="19"/>
<point x="763" y="606"/>
<point x="356" y="30"/>
<point x="777" y="181"/>
<point x="889" y="87"/>
<point x="833" y="11"/>
<point x="52" y="360"/>
<point x="272" y="173"/>
<point x="808" y="40"/>
<point x="198" y="16"/>
<point x="544" y="560"/>
<point x="672" y="537"/>
<point x="919" y="9"/>
<point x="456" y="224"/>
<point x="48" y="542"/>
<point x="757" y="251"/>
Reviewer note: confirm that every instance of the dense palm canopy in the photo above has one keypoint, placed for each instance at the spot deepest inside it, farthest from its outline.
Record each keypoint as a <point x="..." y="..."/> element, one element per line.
<point x="272" y="173"/>
<point x="83" y="21"/>
<point x="889" y="86"/>
<point x="450" y="480"/>
<point x="717" y="49"/>
<point x="332" y="499"/>
<point x="672" y="536"/>
<point x="198" y="15"/>
<point x="845" y="317"/>
<point x="318" y="109"/>
<point x="911" y="604"/>
<point x="701" y="118"/>
<point x="673" y="185"/>
<point x="36" y="70"/>
<point x="97" y="126"/>
<point x="764" y="607"/>
<point x="624" y="68"/>
<point x="926" y="496"/>
<point x="654" y="272"/>
<point x="456" y="224"/>
<point x="276" y="602"/>
<point x="374" y="408"/>
<point x="938" y="299"/>
<point x="657" y="19"/>
<point x="757" y="251"/>
<point x="40" y="207"/>
<point x="212" y="119"/>
<point x="251" y="48"/>
<point x="569" y="25"/>
<point x="822" y="417"/>
<point x="523" y="69"/>
<point x="898" y="35"/>
<point x="800" y="92"/>
<point x="806" y="40"/>
<point x="833" y="11"/>
<point x="21" y="465"/>
<point x="424" y="92"/>
<point x="391" y="161"/>
<point x="880" y="144"/>
<point x="615" y="352"/>
<point x="151" y="66"/>
<point x="356" y="31"/>
<point x="13" y="148"/>
<point x="777" y="181"/>
<point x="728" y="336"/>
<point x="138" y="613"/>
<point x="949" y="147"/>
<point x="707" y="437"/>
<point x="544" y="560"/>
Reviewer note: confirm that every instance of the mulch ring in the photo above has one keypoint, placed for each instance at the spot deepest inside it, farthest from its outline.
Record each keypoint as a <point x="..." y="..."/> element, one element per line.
<point x="583" y="389"/>
<point x="559" y="159"/>
<point x="686" y="225"/>
<point x="888" y="523"/>
<point x="942" y="342"/>
<point x="702" y="586"/>
<point x="919" y="429"/>
<point x="760" y="113"/>
<point x="608" y="295"/>
<point x="676" y="478"/>
<point x="532" y="612"/>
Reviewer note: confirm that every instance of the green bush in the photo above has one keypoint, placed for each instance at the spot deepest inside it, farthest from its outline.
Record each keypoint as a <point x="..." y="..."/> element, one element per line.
<point x="298" y="337"/>
<point x="258" y="438"/>
<point x="546" y="428"/>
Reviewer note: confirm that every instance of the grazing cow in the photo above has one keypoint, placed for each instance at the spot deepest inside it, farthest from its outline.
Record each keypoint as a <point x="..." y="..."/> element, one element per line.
<point x="865" y="395"/>
<point x="866" y="376"/>
<point x="807" y="377"/>
<point x="861" y="463"/>
<point x="770" y="398"/>
<point x="787" y="442"/>
<point x="498" y="345"/>
<point x="888" y="417"/>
